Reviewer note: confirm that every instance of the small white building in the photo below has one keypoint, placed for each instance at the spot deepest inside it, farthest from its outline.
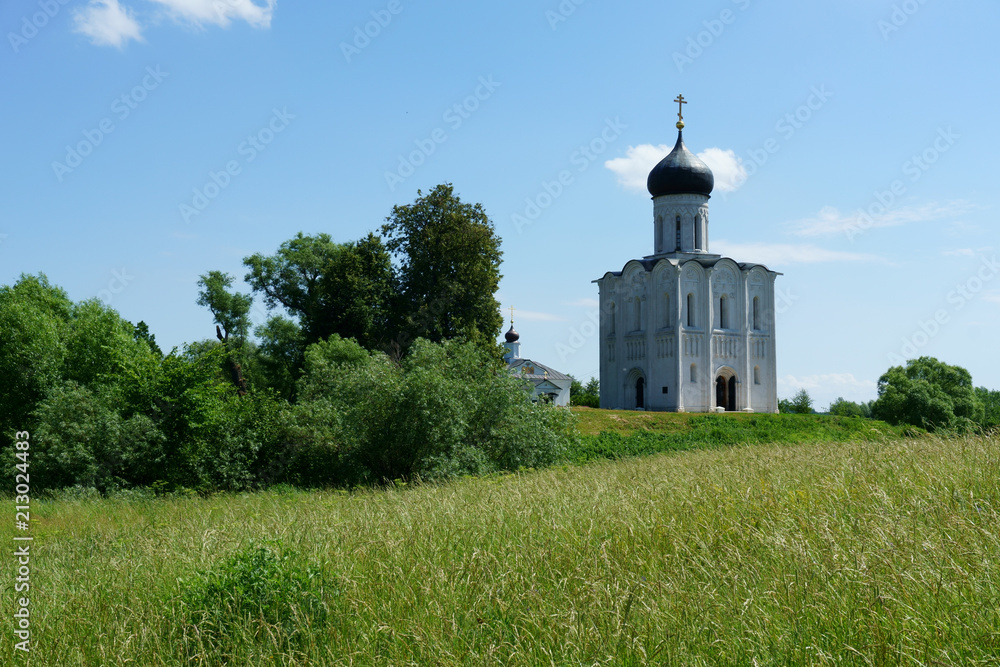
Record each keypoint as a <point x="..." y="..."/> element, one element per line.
<point x="683" y="329"/>
<point x="545" y="380"/>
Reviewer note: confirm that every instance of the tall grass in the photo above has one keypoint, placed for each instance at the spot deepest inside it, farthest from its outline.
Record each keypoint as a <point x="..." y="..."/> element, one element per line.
<point x="866" y="553"/>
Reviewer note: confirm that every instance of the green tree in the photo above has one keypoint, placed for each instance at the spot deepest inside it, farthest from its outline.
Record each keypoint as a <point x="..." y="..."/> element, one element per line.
<point x="280" y="354"/>
<point x="327" y="287"/>
<point x="81" y="439"/>
<point x="448" y="257"/>
<point x="991" y="407"/>
<point x="33" y="317"/>
<point x="216" y="439"/>
<point x="930" y="394"/>
<point x="231" y="313"/>
<point x="800" y="403"/>
<point x="589" y="395"/>
<point x="142" y="333"/>
<point x="845" y="408"/>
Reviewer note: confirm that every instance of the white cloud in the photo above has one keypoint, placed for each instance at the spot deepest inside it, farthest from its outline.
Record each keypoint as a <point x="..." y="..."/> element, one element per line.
<point x="777" y="254"/>
<point x="633" y="169"/>
<point x="585" y="303"/>
<point x="107" y="23"/>
<point x="533" y="316"/>
<point x="831" y="221"/>
<point x="966" y="252"/>
<point x="220" y="12"/>
<point x="992" y="297"/>
<point x="728" y="169"/>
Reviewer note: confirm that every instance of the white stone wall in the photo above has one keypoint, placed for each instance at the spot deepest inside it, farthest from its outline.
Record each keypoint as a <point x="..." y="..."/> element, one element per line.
<point x="658" y="324"/>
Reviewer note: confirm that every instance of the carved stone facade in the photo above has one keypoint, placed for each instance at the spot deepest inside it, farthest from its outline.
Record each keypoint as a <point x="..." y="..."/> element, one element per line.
<point x="683" y="329"/>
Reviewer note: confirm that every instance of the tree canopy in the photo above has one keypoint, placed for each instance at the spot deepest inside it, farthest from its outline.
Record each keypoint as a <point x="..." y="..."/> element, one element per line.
<point x="930" y="394"/>
<point x="447" y="272"/>
<point x="328" y="287"/>
<point x="800" y="404"/>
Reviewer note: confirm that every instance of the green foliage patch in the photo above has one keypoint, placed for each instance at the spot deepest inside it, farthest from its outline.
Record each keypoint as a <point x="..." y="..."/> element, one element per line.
<point x="262" y="593"/>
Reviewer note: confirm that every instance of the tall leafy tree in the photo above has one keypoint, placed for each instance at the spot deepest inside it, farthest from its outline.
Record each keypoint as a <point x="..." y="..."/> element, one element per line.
<point x="328" y="287"/>
<point x="280" y="354"/>
<point x="928" y="393"/>
<point x="448" y="269"/>
<point x="34" y="315"/>
<point x="231" y="312"/>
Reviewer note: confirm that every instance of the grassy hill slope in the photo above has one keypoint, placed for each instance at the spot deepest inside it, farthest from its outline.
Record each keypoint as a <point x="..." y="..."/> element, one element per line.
<point x="618" y="433"/>
<point x="866" y="552"/>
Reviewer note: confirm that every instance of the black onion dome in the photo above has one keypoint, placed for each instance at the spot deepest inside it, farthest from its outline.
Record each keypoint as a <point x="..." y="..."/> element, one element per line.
<point x="511" y="336"/>
<point x="680" y="173"/>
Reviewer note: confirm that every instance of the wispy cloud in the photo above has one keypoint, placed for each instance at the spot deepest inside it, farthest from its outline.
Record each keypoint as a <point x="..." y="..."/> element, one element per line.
<point x="633" y="169"/>
<point x="992" y="297"/>
<point x="107" y="23"/>
<point x="830" y="221"/>
<point x="966" y="252"/>
<point x="584" y="303"/>
<point x="778" y="254"/>
<point x="220" y="12"/>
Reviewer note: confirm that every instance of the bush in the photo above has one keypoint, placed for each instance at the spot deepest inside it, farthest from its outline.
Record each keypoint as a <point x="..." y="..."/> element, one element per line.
<point x="446" y="409"/>
<point x="257" y="586"/>
<point x="218" y="439"/>
<point x="78" y="440"/>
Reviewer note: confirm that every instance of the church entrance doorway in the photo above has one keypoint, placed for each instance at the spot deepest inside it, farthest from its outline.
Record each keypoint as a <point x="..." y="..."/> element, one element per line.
<point x="640" y="394"/>
<point x="725" y="393"/>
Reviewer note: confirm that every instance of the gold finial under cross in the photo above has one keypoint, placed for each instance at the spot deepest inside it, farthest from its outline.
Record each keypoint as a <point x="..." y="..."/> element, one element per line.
<point x="680" y="111"/>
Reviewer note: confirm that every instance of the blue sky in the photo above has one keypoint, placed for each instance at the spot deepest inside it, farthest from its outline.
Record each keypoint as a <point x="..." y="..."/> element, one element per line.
<point x="149" y="141"/>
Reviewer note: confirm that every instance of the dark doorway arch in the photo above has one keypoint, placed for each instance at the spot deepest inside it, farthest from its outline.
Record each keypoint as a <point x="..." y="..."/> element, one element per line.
<point x="640" y="394"/>
<point x="725" y="393"/>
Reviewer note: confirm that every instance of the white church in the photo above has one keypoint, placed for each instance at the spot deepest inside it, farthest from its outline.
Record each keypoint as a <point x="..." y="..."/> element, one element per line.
<point x="544" y="380"/>
<point x="683" y="329"/>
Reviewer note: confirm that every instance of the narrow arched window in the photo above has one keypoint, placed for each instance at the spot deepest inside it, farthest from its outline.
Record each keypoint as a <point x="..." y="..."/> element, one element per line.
<point x="697" y="233"/>
<point x="666" y="310"/>
<point x="611" y="318"/>
<point x="694" y="373"/>
<point x="756" y="374"/>
<point x="637" y="310"/>
<point x="756" y="312"/>
<point x="690" y="310"/>
<point x="723" y="312"/>
<point x="678" y="240"/>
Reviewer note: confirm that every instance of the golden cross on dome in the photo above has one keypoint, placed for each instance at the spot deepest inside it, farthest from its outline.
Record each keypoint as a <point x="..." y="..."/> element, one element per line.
<point x="512" y="316"/>
<point x="680" y="107"/>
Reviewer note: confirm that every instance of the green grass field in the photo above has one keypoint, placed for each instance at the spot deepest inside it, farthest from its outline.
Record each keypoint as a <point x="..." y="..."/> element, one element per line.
<point x="614" y="434"/>
<point x="862" y="553"/>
